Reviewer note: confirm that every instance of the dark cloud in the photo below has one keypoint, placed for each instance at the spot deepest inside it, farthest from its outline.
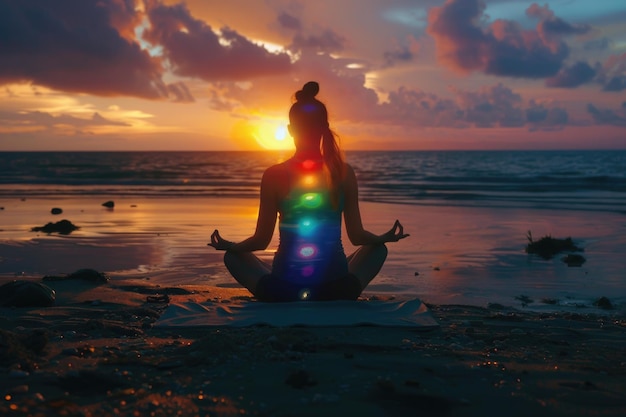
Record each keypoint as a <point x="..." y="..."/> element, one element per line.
<point x="550" y="25"/>
<point x="495" y="106"/>
<point x="193" y="49"/>
<point x="288" y="21"/>
<point x="503" y="47"/>
<point x="38" y="118"/>
<point x="74" y="45"/>
<point x="606" y="116"/>
<point x="326" y="41"/>
<point x="573" y="76"/>
<point x="540" y="117"/>
<point x="402" y="52"/>
<point x="492" y="106"/>
<point x="319" y="40"/>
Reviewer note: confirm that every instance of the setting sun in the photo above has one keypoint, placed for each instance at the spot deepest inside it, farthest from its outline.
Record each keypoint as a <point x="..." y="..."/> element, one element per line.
<point x="272" y="136"/>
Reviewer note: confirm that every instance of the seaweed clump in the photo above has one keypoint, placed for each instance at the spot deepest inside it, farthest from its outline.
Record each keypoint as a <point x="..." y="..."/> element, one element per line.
<point x="547" y="247"/>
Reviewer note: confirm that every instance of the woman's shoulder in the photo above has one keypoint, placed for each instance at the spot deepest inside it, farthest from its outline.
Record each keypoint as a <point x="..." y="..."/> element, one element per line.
<point x="277" y="169"/>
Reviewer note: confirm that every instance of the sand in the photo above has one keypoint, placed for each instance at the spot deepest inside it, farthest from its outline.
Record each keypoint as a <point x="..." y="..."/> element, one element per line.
<point x="499" y="350"/>
<point x="97" y="353"/>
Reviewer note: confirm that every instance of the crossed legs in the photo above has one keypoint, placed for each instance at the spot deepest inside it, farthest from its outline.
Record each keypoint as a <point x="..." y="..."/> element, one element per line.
<point x="247" y="268"/>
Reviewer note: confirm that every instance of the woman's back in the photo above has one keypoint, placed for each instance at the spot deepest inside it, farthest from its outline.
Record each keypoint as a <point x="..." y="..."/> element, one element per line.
<point x="310" y="249"/>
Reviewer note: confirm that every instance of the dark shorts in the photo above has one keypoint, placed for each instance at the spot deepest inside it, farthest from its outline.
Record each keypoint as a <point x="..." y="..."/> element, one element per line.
<point x="274" y="289"/>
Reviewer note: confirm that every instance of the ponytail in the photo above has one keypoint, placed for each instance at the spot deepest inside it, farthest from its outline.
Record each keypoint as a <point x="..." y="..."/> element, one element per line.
<point x="333" y="164"/>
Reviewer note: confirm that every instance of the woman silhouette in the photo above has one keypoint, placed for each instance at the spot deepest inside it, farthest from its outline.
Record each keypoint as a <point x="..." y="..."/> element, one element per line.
<point x="310" y="191"/>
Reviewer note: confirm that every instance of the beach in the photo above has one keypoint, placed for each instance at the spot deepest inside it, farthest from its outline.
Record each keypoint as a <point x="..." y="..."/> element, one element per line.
<point x="516" y="335"/>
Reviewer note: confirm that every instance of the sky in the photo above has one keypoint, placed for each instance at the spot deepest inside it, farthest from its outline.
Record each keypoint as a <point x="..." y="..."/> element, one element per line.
<point x="394" y="74"/>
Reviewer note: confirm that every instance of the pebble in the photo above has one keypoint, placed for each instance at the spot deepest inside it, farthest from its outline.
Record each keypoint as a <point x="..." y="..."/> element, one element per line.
<point x="19" y="389"/>
<point x="18" y="373"/>
<point x="70" y="352"/>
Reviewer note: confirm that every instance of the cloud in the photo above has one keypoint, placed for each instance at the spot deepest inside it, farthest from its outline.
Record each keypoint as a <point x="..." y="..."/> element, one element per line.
<point x="312" y="39"/>
<point x="287" y="21"/>
<point x="402" y="52"/>
<point x="606" y="116"/>
<point x="612" y="75"/>
<point x="194" y="49"/>
<point x="75" y="46"/>
<point x="326" y="41"/>
<point x="464" y="43"/>
<point x="41" y="119"/>
<point x="488" y="107"/>
<point x="573" y="76"/>
<point x="540" y="117"/>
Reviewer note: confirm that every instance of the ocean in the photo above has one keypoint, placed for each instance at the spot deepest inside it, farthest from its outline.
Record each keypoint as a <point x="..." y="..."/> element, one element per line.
<point x="468" y="214"/>
<point x="561" y="180"/>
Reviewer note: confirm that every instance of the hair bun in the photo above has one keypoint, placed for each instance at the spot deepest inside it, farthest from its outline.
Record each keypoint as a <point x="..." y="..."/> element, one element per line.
<point x="308" y="92"/>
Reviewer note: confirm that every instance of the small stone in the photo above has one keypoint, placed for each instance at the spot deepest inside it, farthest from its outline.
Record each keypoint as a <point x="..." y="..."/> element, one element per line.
<point x="20" y="389"/>
<point x="18" y="373"/>
<point x="56" y="210"/>
<point x="70" y="352"/>
<point x="574" y="260"/>
<point x="26" y="294"/>
<point x="109" y="204"/>
<point x="604" y="303"/>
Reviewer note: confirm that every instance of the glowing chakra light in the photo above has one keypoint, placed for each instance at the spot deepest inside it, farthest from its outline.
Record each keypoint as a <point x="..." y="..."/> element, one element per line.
<point x="307" y="251"/>
<point x="308" y="164"/>
<point x="306" y="226"/>
<point x="311" y="200"/>
<point x="309" y="180"/>
<point x="304" y="294"/>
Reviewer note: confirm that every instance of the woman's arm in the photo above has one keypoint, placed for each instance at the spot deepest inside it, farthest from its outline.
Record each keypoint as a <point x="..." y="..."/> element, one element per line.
<point x="266" y="221"/>
<point x="352" y="217"/>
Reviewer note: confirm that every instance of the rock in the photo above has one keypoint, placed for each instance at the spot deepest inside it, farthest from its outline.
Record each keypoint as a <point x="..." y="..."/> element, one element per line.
<point x="604" y="303"/>
<point x="26" y="294"/>
<point x="574" y="260"/>
<point x="56" y="210"/>
<point x="86" y="274"/>
<point x="300" y="379"/>
<point x="63" y="227"/>
<point x="109" y="204"/>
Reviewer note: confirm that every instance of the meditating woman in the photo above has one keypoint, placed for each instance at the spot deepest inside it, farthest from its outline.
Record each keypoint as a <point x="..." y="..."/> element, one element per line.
<point x="310" y="191"/>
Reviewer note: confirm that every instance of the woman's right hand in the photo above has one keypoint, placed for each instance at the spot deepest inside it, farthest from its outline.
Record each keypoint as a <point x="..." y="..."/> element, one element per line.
<point x="218" y="242"/>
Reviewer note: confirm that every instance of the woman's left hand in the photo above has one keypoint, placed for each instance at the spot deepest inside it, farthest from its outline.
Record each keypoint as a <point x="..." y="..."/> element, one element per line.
<point x="395" y="233"/>
<point x="218" y="242"/>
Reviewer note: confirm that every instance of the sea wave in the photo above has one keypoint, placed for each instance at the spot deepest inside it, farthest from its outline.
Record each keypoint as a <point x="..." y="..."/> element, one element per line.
<point x="583" y="180"/>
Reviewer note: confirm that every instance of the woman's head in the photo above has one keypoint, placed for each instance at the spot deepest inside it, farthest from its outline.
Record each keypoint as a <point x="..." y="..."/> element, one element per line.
<point x="308" y="117"/>
<point x="308" y="120"/>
